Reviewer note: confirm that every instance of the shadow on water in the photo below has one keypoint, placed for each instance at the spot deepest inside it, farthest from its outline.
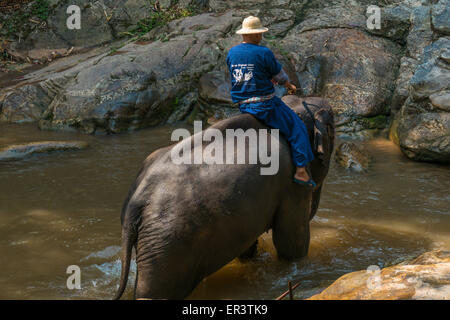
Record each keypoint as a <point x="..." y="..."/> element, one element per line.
<point x="64" y="209"/>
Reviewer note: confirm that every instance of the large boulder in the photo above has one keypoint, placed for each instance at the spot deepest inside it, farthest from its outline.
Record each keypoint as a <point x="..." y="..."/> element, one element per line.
<point x="42" y="37"/>
<point x="222" y="5"/>
<point x="134" y="87"/>
<point x="279" y="21"/>
<point x="433" y="74"/>
<point x="422" y="126"/>
<point x="356" y="72"/>
<point x="425" y="136"/>
<point x="440" y="17"/>
<point x="407" y="68"/>
<point x="420" y="34"/>
<point x="214" y="96"/>
<point x="26" y="104"/>
<point x="395" y="22"/>
<point x="424" y="278"/>
<point x="441" y="100"/>
<point x="102" y="22"/>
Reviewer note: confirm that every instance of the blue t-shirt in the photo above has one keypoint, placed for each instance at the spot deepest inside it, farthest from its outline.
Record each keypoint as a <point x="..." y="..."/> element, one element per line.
<point x="251" y="68"/>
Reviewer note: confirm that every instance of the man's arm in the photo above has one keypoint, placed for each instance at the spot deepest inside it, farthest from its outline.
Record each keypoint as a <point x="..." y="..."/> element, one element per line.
<point x="280" y="76"/>
<point x="282" y="79"/>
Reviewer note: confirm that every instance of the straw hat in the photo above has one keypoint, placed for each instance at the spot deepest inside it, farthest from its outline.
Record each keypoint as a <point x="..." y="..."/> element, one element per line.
<point x="251" y="25"/>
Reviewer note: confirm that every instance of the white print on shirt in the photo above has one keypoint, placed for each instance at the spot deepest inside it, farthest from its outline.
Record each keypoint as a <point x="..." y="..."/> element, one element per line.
<point x="242" y="72"/>
<point x="237" y="74"/>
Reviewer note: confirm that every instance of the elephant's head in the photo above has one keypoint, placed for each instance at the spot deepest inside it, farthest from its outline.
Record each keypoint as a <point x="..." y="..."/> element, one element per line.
<point x="320" y="128"/>
<point x="321" y="136"/>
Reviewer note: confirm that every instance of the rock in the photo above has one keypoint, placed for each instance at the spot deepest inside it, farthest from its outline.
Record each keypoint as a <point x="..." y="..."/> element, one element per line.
<point x="437" y="49"/>
<point x="422" y="127"/>
<point x="24" y="105"/>
<point x="441" y="100"/>
<point x="214" y="96"/>
<point x="102" y="22"/>
<point x="359" y="70"/>
<point x="20" y="151"/>
<point x="184" y="107"/>
<point x="353" y="70"/>
<point x="134" y="87"/>
<point x="124" y="17"/>
<point x="340" y="14"/>
<point x="402" y="85"/>
<point x="445" y="56"/>
<point x="214" y="88"/>
<point x="221" y="5"/>
<point x="94" y="31"/>
<point x="177" y="71"/>
<point x="213" y="26"/>
<point x="430" y="77"/>
<point x="420" y="35"/>
<point x="311" y="75"/>
<point x="424" y="278"/>
<point x="349" y="156"/>
<point x="440" y="17"/>
<point x="279" y="21"/>
<point x="425" y="136"/>
<point x="395" y="23"/>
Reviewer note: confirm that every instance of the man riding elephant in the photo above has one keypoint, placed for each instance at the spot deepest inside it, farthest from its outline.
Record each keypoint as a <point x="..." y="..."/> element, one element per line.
<point x="187" y="220"/>
<point x="254" y="69"/>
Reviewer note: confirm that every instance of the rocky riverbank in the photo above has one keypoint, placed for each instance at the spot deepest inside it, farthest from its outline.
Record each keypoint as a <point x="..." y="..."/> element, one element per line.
<point x="426" y="277"/>
<point x="395" y="78"/>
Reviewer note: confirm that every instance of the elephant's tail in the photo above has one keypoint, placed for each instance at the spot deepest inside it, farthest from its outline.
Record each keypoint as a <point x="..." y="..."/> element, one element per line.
<point x="128" y="240"/>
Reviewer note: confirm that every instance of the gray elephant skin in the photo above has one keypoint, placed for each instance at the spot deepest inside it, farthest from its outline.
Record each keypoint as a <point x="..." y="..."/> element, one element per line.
<point x="187" y="221"/>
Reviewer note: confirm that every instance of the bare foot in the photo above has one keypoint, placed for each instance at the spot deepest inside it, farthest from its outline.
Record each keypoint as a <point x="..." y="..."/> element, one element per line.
<point x="301" y="174"/>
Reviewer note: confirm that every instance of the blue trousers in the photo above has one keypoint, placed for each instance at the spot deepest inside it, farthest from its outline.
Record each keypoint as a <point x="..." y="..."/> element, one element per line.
<point x="276" y="114"/>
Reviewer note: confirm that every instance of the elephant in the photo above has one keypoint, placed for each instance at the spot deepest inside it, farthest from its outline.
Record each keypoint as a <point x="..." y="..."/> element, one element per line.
<point x="187" y="221"/>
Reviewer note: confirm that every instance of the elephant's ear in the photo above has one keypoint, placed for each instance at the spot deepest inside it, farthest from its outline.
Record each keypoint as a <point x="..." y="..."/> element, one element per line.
<point x="319" y="132"/>
<point x="323" y="132"/>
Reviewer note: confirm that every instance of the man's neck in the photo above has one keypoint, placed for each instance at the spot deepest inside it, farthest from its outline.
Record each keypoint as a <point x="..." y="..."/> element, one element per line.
<point x="251" y="42"/>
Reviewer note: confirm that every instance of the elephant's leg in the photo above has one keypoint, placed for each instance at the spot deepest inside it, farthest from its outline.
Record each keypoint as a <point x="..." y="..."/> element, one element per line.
<point x="250" y="252"/>
<point x="291" y="225"/>
<point x="163" y="283"/>
<point x="171" y="273"/>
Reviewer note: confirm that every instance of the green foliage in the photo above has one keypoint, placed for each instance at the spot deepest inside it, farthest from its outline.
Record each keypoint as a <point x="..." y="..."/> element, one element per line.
<point x="40" y="9"/>
<point x="160" y="18"/>
<point x="18" y="20"/>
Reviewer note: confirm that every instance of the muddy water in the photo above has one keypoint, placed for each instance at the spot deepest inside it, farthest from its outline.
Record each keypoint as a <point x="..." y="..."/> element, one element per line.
<point x="63" y="209"/>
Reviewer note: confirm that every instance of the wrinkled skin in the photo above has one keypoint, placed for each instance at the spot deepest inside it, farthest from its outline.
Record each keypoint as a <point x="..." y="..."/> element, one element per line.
<point x="187" y="221"/>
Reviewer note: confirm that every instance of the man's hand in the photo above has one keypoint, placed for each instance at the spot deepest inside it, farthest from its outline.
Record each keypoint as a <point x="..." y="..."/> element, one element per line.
<point x="291" y="89"/>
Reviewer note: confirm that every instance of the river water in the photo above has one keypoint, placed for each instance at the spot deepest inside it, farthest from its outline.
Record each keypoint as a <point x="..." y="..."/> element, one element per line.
<point x="63" y="209"/>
